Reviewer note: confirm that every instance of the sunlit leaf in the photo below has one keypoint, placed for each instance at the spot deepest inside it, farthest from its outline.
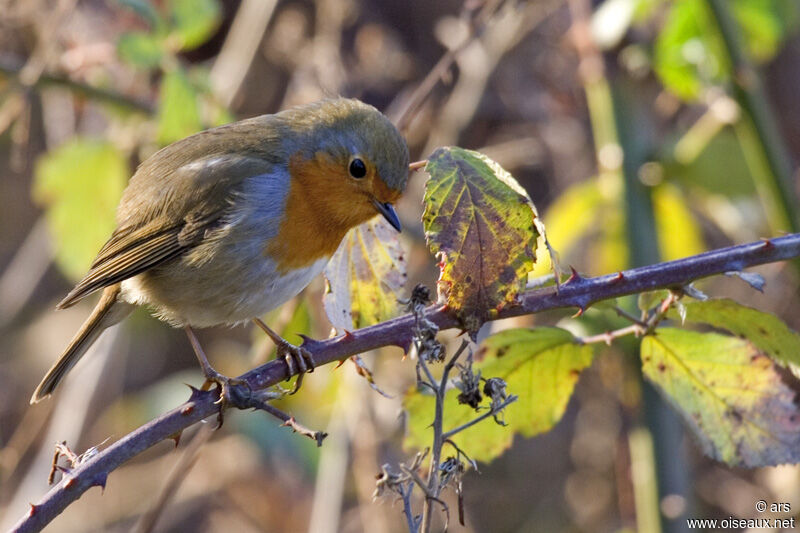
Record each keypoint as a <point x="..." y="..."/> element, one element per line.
<point x="140" y="49"/>
<point x="570" y="218"/>
<point x="194" y="21"/>
<point x="678" y="233"/>
<point x="541" y="366"/>
<point x="80" y="184"/>
<point x="730" y="394"/>
<point x="480" y="223"/>
<point x="766" y="331"/>
<point x="178" y="113"/>
<point x="365" y="276"/>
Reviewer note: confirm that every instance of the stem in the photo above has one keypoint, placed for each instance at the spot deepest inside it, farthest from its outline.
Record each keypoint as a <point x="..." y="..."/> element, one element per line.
<point x="436" y="454"/>
<point x="511" y="399"/>
<point x="579" y="292"/>
<point x="749" y="93"/>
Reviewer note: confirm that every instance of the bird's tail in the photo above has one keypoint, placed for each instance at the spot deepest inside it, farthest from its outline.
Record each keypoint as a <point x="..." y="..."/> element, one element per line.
<point x="108" y="311"/>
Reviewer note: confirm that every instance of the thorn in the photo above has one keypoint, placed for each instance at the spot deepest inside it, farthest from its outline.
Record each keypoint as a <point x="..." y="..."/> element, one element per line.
<point x="768" y="244"/>
<point x="348" y="335"/>
<point x="620" y="276"/>
<point x="32" y="510"/>
<point x="340" y="363"/>
<point x="404" y="345"/>
<point x="187" y="410"/>
<point x="100" y="481"/>
<point x="69" y="482"/>
<point x="579" y="313"/>
<point x="195" y="392"/>
<point x="574" y="276"/>
<point x="176" y="437"/>
<point x="308" y="342"/>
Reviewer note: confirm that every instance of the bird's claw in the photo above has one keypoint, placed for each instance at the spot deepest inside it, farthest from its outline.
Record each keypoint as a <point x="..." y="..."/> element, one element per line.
<point x="298" y="360"/>
<point x="232" y="392"/>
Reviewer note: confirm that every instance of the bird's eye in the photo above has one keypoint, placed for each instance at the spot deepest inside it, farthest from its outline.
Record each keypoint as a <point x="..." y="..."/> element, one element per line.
<point x="357" y="168"/>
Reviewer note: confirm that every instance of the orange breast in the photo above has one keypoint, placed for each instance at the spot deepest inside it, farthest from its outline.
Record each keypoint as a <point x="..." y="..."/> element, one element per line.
<point x="319" y="211"/>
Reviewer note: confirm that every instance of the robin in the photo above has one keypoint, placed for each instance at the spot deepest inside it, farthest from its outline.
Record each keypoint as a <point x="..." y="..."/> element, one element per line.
<point x="230" y="223"/>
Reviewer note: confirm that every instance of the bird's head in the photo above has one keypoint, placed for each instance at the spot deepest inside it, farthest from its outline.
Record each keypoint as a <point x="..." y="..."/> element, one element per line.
<point x="348" y="159"/>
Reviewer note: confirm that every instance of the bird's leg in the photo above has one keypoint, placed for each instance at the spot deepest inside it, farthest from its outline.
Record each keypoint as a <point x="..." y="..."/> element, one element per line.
<point x="212" y="376"/>
<point x="298" y="359"/>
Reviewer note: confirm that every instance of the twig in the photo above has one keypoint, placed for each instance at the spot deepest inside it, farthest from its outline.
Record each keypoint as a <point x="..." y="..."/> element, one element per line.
<point x="404" y="117"/>
<point x="89" y="91"/>
<point x="751" y="96"/>
<point x="579" y="292"/>
<point x="491" y="412"/>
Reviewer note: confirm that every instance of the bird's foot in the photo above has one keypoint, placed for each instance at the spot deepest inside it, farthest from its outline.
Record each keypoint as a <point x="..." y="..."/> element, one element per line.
<point x="298" y="360"/>
<point x="232" y="392"/>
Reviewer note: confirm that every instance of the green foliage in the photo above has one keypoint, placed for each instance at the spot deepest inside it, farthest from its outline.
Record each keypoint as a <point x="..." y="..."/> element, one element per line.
<point x="688" y="54"/>
<point x="79" y="184"/>
<point x="194" y="21"/>
<point x="365" y="276"/>
<point x="140" y="49"/>
<point x="178" y="109"/>
<point x="481" y="224"/>
<point x="181" y="25"/>
<point x="729" y="392"/>
<point x="541" y="366"/>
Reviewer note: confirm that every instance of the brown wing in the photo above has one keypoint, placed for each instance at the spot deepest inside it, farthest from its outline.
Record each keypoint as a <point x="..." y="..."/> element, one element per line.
<point x="152" y="232"/>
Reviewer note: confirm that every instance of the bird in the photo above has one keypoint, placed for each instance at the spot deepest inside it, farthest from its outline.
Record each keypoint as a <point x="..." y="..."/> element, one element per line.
<point x="229" y="223"/>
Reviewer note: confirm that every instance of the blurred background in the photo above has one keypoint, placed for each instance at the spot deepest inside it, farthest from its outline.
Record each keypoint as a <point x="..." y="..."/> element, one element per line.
<point x="644" y="130"/>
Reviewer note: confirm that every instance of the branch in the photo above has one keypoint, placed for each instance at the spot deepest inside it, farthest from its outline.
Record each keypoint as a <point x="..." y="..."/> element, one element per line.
<point x="11" y="71"/>
<point x="578" y="292"/>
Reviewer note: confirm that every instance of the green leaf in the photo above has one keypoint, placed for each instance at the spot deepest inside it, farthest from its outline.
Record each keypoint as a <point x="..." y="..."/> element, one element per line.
<point x="730" y="394"/>
<point x="764" y="24"/>
<point x="178" y="112"/>
<point x="687" y="54"/>
<point x="80" y="184"/>
<point x="140" y="49"/>
<point x="541" y="366"/>
<point x="482" y="225"/>
<point x="365" y="276"/>
<point x="766" y="331"/>
<point x="194" y="21"/>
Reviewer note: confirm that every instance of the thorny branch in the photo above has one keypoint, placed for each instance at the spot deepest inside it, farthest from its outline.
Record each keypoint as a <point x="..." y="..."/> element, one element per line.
<point x="578" y="292"/>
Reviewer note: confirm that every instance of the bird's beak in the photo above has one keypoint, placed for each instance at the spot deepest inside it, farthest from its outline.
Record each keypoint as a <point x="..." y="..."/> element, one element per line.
<point x="388" y="213"/>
